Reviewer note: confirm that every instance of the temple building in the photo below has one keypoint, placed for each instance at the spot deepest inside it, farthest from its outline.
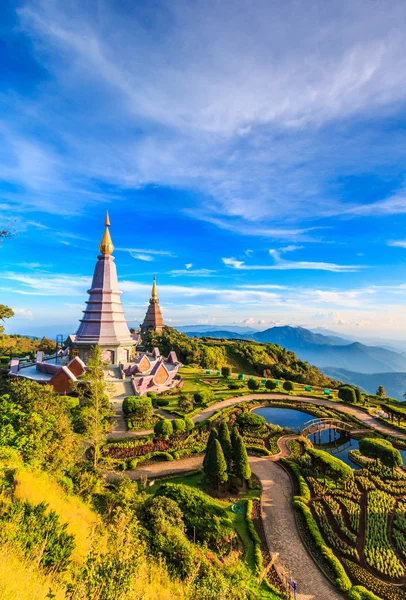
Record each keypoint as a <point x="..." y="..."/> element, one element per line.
<point x="153" y="319"/>
<point x="103" y="323"/>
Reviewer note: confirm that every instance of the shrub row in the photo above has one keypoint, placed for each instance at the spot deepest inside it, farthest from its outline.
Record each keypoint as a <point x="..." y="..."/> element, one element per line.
<point x="342" y="580"/>
<point x="259" y="563"/>
<point x="132" y="464"/>
<point x="258" y="450"/>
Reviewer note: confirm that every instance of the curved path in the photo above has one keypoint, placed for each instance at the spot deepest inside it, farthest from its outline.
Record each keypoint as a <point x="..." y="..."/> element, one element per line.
<point x="340" y="406"/>
<point x="277" y="516"/>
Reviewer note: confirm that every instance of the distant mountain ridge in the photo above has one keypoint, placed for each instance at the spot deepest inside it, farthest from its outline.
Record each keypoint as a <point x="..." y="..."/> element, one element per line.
<point x="321" y="350"/>
<point x="394" y="383"/>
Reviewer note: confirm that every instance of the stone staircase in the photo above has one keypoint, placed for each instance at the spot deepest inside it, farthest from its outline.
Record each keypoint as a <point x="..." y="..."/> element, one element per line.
<point x="121" y="388"/>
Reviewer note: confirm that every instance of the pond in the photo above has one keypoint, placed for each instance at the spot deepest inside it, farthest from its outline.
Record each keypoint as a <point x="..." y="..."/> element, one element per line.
<point x="293" y="418"/>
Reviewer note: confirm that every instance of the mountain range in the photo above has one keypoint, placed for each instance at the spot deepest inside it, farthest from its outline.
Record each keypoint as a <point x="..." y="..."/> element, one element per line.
<point x="338" y="357"/>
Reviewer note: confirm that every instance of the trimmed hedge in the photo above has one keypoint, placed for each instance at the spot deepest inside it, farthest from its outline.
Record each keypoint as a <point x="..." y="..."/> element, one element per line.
<point x="133" y="403"/>
<point x="258" y="450"/>
<point x="305" y="494"/>
<point x="4" y="360"/>
<point x="132" y="464"/>
<point x="259" y="563"/>
<point x="360" y="593"/>
<point x="382" y="450"/>
<point x="342" y="580"/>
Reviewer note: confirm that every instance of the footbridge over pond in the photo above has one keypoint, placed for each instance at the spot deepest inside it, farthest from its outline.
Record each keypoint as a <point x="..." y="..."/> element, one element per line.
<point x="317" y="425"/>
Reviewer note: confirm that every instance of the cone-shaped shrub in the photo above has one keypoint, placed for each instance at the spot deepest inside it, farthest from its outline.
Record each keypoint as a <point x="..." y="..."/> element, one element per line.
<point x="242" y="467"/>
<point x="213" y="436"/>
<point x="216" y="466"/>
<point x="225" y="442"/>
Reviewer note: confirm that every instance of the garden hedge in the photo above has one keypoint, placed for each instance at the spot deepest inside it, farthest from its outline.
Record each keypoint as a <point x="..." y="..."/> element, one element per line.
<point x="382" y="450"/>
<point x="259" y="563"/>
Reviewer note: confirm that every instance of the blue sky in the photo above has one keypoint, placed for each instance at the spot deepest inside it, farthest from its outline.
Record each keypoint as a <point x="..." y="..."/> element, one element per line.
<point x="250" y="154"/>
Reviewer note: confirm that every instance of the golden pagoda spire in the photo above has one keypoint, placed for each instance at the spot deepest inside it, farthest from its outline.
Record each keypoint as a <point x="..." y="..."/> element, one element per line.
<point x="154" y="293"/>
<point x="106" y="245"/>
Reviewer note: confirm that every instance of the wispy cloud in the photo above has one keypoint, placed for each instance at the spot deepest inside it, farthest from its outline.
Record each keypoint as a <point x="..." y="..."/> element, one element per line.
<point x="397" y="243"/>
<point x="144" y="257"/>
<point x="288" y="265"/>
<point x="188" y="271"/>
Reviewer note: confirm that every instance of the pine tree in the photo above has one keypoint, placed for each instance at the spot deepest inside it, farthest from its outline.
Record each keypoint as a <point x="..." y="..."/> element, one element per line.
<point x="225" y="441"/>
<point x="216" y="466"/>
<point x="213" y="436"/>
<point x="233" y="437"/>
<point x="242" y="467"/>
<point x="95" y="411"/>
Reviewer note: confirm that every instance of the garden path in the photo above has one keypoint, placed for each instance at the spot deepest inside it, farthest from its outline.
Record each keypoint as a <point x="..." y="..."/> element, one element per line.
<point x="210" y="410"/>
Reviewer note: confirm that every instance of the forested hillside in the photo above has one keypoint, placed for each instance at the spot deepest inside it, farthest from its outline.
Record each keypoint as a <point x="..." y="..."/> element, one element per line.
<point x="268" y="360"/>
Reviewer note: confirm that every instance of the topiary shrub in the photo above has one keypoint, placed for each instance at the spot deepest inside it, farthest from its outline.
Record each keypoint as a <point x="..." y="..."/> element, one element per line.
<point x="163" y="428"/>
<point x="249" y="420"/>
<point x="152" y="395"/>
<point x="226" y="372"/>
<point x="253" y="385"/>
<point x="185" y="403"/>
<point x="139" y="407"/>
<point x="270" y="384"/>
<point x="160" y="402"/>
<point x="4" y="360"/>
<point x="288" y="386"/>
<point x="347" y="394"/>
<point x="234" y="386"/>
<point x="189" y="423"/>
<point x="179" y="426"/>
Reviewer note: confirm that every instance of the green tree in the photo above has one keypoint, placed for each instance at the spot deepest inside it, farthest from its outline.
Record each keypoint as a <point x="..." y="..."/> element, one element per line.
<point x="163" y="428"/>
<point x="216" y="466"/>
<point x="5" y="313"/>
<point x="381" y="392"/>
<point x="226" y="372"/>
<point x="242" y="467"/>
<point x="37" y="423"/>
<point x="96" y="410"/>
<point x="270" y="385"/>
<point x="225" y="442"/>
<point x="213" y="436"/>
<point x="179" y="426"/>
<point x="253" y="385"/>
<point x="288" y="386"/>
<point x="46" y="345"/>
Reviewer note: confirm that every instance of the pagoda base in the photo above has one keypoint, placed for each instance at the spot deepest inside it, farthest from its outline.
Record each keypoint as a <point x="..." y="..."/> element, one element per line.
<point x="113" y="354"/>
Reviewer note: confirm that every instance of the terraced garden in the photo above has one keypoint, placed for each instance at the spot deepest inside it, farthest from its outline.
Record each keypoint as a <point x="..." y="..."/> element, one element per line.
<point x="361" y="517"/>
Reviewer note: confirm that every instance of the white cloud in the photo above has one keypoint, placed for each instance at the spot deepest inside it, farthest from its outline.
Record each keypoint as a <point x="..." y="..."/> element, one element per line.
<point x="251" y="126"/>
<point x="397" y="243"/>
<point x="23" y="313"/>
<point x="282" y="265"/>
<point x="144" y="257"/>
<point x="188" y="265"/>
<point x="189" y="271"/>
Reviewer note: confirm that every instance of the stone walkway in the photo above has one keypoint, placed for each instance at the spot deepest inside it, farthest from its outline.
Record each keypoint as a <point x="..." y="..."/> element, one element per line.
<point x="120" y="389"/>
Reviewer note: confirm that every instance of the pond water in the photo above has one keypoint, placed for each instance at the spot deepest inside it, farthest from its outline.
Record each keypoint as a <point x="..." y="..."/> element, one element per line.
<point x="293" y="418"/>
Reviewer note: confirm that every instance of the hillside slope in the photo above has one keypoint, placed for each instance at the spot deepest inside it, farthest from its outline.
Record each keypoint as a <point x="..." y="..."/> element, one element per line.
<point x="268" y="360"/>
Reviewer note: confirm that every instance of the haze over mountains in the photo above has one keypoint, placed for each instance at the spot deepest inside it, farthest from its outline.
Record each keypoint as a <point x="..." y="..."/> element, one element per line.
<point x="349" y="361"/>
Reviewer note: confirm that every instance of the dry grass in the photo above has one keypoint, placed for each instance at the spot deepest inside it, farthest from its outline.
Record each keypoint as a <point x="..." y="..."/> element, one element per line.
<point x="81" y="520"/>
<point x="22" y="580"/>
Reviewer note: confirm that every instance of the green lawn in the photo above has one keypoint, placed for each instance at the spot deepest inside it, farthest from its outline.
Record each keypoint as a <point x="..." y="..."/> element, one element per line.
<point x="196" y="379"/>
